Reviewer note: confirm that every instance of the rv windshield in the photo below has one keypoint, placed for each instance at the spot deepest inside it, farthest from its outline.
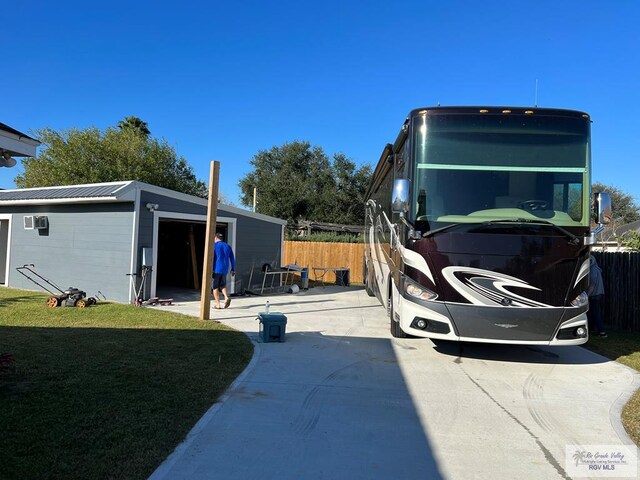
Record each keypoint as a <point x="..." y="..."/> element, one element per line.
<point x="480" y="167"/>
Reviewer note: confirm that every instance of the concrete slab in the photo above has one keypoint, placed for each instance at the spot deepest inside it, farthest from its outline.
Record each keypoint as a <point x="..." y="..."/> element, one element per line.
<point x="342" y="399"/>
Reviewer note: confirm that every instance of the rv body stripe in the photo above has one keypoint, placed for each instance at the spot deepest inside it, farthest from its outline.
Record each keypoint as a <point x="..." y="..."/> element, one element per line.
<point x="584" y="270"/>
<point x="409" y="257"/>
<point x="500" y="168"/>
<point x="487" y="288"/>
<point x="417" y="261"/>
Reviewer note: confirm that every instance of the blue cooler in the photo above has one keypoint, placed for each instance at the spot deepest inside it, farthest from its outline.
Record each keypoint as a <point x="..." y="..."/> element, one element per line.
<point x="272" y="326"/>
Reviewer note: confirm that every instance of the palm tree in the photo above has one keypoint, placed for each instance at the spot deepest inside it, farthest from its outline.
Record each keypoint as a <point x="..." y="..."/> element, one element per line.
<point x="134" y="123"/>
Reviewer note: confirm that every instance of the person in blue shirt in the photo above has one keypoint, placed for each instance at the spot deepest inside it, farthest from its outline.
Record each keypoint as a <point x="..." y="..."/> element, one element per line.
<point x="222" y="257"/>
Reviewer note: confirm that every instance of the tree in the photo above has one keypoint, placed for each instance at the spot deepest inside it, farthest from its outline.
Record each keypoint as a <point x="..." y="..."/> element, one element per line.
<point x="351" y="186"/>
<point x="90" y="155"/>
<point x="624" y="208"/>
<point x="134" y="123"/>
<point x="630" y="240"/>
<point x="224" y="199"/>
<point x="298" y="181"/>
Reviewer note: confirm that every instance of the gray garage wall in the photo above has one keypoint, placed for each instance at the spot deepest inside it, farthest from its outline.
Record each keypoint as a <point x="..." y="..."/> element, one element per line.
<point x="85" y="246"/>
<point x="89" y="245"/>
<point x="166" y="204"/>
<point x="257" y="241"/>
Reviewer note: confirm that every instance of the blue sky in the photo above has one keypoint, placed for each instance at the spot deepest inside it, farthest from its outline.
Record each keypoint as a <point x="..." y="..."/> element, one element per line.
<point x="223" y="80"/>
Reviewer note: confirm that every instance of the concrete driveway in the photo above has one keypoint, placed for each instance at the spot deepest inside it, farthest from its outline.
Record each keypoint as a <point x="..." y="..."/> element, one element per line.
<point x="342" y="399"/>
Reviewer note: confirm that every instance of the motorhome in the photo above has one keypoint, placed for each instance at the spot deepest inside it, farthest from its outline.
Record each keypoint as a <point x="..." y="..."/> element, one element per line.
<point x="479" y="223"/>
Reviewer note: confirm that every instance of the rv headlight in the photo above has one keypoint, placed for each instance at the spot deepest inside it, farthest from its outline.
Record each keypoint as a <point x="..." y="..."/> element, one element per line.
<point x="419" y="292"/>
<point x="581" y="300"/>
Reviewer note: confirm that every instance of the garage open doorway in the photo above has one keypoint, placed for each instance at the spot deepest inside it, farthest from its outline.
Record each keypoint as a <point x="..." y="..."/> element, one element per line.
<point x="180" y="254"/>
<point x="178" y="246"/>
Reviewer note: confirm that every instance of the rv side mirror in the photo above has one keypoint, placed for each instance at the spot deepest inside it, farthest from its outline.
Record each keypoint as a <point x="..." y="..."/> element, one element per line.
<point x="400" y="202"/>
<point x="602" y="207"/>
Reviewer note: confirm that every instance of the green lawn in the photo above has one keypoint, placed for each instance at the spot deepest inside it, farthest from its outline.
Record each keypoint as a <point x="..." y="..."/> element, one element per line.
<point x="624" y="348"/>
<point x="107" y="391"/>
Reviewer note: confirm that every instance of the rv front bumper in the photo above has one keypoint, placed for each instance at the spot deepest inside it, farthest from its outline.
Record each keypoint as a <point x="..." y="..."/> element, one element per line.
<point x="488" y="324"/>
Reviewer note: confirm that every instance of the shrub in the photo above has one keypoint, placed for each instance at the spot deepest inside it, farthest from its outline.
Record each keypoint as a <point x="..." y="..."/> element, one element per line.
<point x="327" y="237"/>
<point x="631" y="240"/>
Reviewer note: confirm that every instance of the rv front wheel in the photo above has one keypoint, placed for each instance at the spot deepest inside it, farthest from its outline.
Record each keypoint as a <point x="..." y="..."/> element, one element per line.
<point x="367" y="286"/>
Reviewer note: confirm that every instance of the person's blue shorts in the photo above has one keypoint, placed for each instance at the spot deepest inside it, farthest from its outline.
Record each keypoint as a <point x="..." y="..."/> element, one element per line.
<point x="219" y="281"/>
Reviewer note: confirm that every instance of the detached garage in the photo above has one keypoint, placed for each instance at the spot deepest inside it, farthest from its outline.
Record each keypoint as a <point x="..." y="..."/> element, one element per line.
<point x="92" y="236"/>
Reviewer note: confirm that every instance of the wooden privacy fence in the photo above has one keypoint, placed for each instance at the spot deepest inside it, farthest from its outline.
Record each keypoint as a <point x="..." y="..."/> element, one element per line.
<point x="326" y="254"/>
<point x="621" y="276"/>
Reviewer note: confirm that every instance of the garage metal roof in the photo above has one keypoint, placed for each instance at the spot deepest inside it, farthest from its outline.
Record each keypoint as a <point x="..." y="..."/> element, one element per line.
<point x="74" y="191"/>
<point x="124" y="191"/>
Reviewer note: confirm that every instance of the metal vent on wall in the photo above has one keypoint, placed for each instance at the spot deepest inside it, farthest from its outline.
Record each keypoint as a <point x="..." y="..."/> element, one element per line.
<point x="32" y="222"/>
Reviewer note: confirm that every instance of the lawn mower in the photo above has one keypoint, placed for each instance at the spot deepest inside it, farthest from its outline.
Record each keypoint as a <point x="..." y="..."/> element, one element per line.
<point x="71" y="297"/>
<point x="139" y="290"/>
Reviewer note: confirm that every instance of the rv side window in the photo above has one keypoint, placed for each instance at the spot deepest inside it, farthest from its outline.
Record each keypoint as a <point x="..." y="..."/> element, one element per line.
<point x="401" y="163"/>
<point x="567" y="197"/>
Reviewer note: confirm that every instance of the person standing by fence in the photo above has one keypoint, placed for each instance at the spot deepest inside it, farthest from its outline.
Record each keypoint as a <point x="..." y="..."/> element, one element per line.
<point x="596" y="299"/>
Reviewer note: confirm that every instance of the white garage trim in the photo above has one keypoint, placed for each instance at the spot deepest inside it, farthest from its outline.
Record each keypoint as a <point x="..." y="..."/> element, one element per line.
<point x="158" y="214"/>
<point x="5" y="216"/>
<point x="134" y="240"/>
